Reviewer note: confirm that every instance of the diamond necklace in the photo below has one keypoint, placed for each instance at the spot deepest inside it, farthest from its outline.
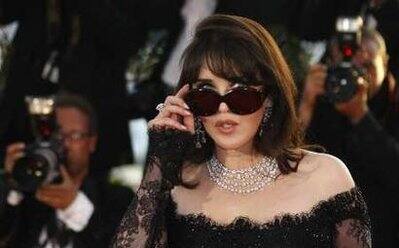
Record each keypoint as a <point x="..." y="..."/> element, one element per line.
<point x="244" y="181"/>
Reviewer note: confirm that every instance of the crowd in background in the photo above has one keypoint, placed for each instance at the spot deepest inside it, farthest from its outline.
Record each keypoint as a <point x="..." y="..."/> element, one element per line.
<point x="123" y="57"/>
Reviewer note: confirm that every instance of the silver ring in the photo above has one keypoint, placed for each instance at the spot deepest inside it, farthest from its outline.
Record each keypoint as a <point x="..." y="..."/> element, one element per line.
<point x="160" y="107"/>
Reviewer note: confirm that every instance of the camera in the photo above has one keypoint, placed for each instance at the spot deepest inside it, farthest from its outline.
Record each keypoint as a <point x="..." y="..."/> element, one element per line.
<point x="342" y="79"/>
<point x="41" y="160"/>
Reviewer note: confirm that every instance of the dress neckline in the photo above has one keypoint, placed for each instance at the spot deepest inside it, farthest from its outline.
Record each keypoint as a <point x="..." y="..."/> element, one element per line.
<point x="340" y="203"/>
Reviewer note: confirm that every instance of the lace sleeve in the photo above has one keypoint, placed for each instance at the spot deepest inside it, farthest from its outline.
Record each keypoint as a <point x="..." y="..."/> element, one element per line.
<point x="354" y="229"/>
<point x="144" y="222"/>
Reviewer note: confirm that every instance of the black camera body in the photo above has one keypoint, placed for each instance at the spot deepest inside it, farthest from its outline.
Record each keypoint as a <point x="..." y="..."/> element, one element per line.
<point x="342" y="82"/>
<point x="42" y="158"/>
<point x="342" y="79"/>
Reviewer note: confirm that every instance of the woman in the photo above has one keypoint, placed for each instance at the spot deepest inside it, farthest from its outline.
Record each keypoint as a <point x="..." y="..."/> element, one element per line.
<point x="226" y="168"/>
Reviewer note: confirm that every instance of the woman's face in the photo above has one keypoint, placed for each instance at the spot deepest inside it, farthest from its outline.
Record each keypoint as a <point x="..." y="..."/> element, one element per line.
<point x="228" y="130"/>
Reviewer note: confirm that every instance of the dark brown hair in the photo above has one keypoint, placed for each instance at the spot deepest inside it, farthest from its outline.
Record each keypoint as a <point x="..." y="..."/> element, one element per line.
<point x="233" y="46"/>
<point x="70" y="100"/>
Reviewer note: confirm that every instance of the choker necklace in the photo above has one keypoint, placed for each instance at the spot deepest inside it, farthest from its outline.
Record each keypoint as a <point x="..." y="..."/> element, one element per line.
<point x="244" y="181"/>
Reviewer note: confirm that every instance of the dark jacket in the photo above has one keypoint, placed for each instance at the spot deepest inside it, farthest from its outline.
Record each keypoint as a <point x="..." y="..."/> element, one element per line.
<point x="370" y="149"/>
<point x="22" y="225"/>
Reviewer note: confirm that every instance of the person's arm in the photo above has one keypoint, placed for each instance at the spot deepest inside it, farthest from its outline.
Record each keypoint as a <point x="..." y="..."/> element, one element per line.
<point x="376" y="148"/>
<point x="9" y="215"/>
<point x="77" y="215"/>
<point x="171" y="139"/>
<point x="313" y="88"/>
<point x="354" y="230"/>
<point x="143" y="226"/>
<point x="345" y="206"/>
<point x="87" y="213"/>
<point x="109" y="208"/>
<point x="11" y="206"/>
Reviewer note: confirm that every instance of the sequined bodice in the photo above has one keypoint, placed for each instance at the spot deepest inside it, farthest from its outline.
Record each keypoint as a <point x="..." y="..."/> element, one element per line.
<point x="317" y="228"/>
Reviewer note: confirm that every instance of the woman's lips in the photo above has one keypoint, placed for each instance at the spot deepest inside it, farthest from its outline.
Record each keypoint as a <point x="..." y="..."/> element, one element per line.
<point x="226" y="126"/>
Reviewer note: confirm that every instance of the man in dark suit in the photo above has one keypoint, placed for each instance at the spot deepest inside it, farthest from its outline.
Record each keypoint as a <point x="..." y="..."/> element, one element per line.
<point x="77" y="212"/>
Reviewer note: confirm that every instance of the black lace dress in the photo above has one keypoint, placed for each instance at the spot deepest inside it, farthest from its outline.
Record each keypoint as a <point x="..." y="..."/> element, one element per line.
<point x="152" y="220"/>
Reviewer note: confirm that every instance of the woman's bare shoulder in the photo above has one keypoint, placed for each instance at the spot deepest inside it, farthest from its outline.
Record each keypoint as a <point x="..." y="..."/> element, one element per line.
<point x="326" y="173"/>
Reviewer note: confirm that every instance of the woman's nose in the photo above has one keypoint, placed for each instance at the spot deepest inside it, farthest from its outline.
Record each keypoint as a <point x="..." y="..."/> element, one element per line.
<point x="223" y="108"/>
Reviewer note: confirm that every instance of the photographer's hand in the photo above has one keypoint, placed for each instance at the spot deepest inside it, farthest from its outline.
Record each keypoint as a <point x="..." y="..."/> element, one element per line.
<point x="59" y="196"/>
<point x="13" y="153"/>
<point x="314" y="87"/>
<point x="356" y="108"/>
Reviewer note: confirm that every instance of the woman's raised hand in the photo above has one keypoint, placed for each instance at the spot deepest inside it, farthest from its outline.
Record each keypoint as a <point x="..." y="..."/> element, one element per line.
<point x="174" y="113"/>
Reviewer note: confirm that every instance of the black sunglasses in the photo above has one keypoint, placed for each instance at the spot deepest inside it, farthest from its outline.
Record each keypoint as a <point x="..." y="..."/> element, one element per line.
<point x="241" y="100"/>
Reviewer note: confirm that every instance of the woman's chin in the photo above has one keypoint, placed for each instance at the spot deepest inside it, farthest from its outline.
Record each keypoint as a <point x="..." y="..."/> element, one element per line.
<point x="230" y="144"/>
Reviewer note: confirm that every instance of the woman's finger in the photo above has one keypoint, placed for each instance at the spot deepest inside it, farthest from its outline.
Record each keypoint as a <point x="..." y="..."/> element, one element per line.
<point x="188" y="122"/>
<point x="170" y="123"/>
<point x="183" y="91"/>
<point x="163" y="123"/>
<point x="170" y="110"/>
<point x="174" y="100"/>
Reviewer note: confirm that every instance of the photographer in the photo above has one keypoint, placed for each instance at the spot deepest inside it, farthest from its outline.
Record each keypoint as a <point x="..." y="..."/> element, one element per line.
<point x="363" y="131"/>
<point x="76" y="212"/>
<point x="79" y="46"/>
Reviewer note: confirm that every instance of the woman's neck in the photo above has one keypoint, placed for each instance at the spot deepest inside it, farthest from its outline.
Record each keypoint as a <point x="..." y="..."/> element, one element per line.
<point x="239" y="158"/>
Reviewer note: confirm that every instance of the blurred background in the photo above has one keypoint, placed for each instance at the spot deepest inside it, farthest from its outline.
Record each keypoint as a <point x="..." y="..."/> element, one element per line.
<point x="123" y="57"/>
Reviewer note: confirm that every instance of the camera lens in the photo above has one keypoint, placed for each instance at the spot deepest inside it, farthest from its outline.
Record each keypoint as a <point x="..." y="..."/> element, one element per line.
<point x="341" y="83"/>
<point x="35" y="168"/>
<point x="29" y="172"/>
